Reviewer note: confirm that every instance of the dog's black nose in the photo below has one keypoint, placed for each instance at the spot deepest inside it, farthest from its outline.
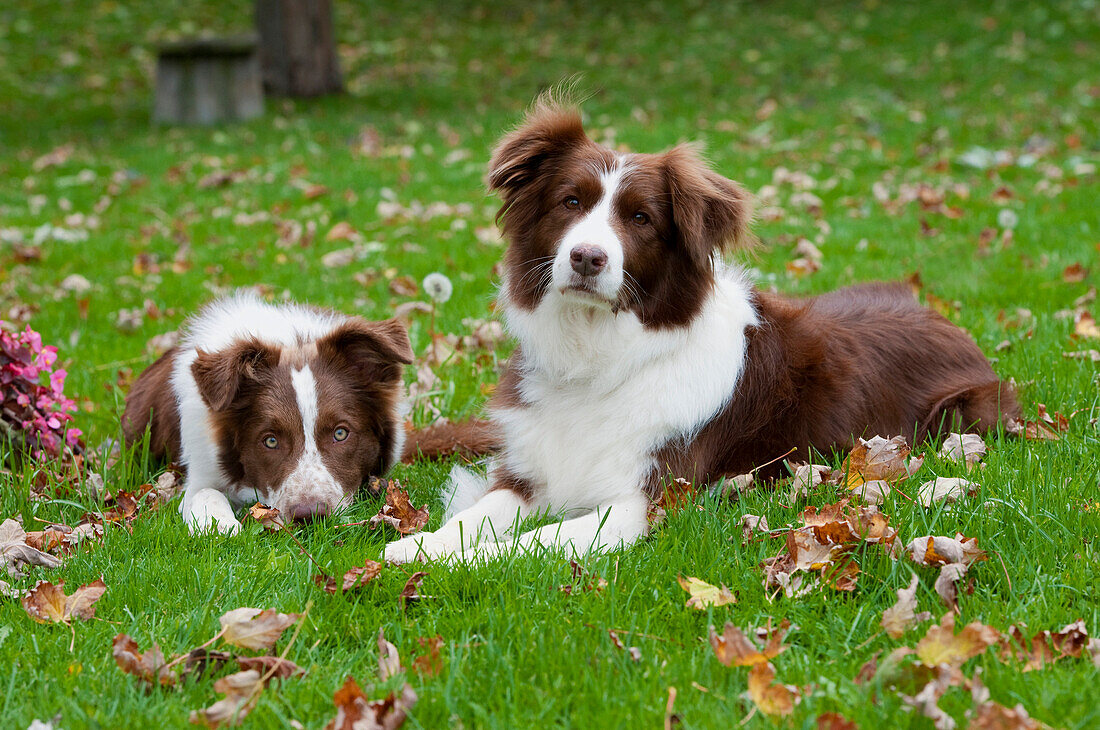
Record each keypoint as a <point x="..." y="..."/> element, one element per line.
<point x="306" y="511"/>
<point x="588" y="260"/>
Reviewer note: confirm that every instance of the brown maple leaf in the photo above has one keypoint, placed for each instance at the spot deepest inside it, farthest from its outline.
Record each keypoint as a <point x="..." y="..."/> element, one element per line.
<point x="149" y="667"/>
<point x="877" y="458"/>
<point x="902" y="616"/>
<point x="399" y="513"/>
<point x="410" y="593"/>
<point x="940" y="550"/>
<point x="355" y="578"/>
<point x="941" y="645"/>
<point x="355" y="712"/>
<point x="430" y="663"/>
<point x="278" y="667"/>
<point x="47" y="602"/>
<point x="252" y="628"/>
<point x="774" y="700"/>
<point x="242" y="692"/>
<point x="268" y="517"/>
<point x="734" y="649"/>
<point x="634" y="652"/>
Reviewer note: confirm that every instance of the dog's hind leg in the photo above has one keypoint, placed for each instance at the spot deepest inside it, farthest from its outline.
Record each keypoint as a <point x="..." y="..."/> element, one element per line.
<point x="609" y="527"/>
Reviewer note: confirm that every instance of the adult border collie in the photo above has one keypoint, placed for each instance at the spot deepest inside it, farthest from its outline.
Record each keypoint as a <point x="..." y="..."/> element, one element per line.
<point x="641" y="356"/>
<point x="278" y="403"/>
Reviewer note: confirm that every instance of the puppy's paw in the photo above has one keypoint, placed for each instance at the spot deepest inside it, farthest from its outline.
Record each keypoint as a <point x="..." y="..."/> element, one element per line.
<point x="204" y="522"/>
<point x="422" y="546"/>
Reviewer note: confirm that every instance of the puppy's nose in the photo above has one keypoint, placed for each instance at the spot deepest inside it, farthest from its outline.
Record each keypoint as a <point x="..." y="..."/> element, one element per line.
<point x="306" y="511"/>
<point x="588" y="260"/>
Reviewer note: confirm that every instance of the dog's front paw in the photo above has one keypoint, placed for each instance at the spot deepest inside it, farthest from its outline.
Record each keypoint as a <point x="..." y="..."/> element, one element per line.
<point x="225" y="523"/>
<point x="422" y="546"/>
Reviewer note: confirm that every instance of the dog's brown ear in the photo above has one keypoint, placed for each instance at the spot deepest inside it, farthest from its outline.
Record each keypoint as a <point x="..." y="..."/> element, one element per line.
<point x="710" y="212"/>
<point x="378" y="349"/>
<point x="222" y="375"/>
<point x="550" y="128"/>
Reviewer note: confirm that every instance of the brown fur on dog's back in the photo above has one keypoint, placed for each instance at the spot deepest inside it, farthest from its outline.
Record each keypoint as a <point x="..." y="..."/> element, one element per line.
<point x="151" y="405"/>
<point x="863" y="361"/>
<point x="469" y="439"/>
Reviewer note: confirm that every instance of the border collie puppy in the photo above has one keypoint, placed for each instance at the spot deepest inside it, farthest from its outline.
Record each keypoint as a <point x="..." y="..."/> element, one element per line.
<point x="641" y="356"/>
<point x="282" y="404"/>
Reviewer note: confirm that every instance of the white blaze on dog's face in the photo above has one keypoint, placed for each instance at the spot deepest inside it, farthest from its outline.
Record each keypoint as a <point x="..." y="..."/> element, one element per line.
<point x="302" y="428"/>
<point x="633" y="232"/>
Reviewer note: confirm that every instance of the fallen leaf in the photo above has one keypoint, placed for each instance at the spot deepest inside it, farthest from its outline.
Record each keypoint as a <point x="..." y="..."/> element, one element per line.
<point x="874" y="491"/>
<point x="835" y="721"/>
<point x="355" y="578"/>
<point x="677" y="494"/>
<point x="200" y="661"/>
<point x="47" y="602"/>
<point x="751" y="524"/>
<point x="1046" y="427"/>
<point x="877" y="458"/>
<point x="967" y="447"/>
<point x="268" y="517"/>
<point x="588" y="581"/>
<point x="945" y="489"/>
<point x="939" y="550"/>
<point x="342" y="231"/>
<point x="702" y="595"/>
<point x="993" y="716"/>
<point x="1092" y="355"/>
<point x="251" y="628"/>
<point x="941" y="645"/>
<point x="410" y="594"/>
<point x="774" y="700"/>
<point x="150" y="667"/>
<point x="430" y="663"/>
<point x="354" y="712"/>
<point x="902" y="616"/>
<point x="404" y="286"/>
<point x="389" y="661"/>
<point x="734" y="649"/>
<point x="947" y="583"/>
<point x="1084" y="325"/>
<point x="278" y="667"/>
<point x="399" y="513"/>
<point x="927" y="700"/>
<point x="634" y="652"/>
<point x="242" y="692"/>
<point x="15" y="553"/>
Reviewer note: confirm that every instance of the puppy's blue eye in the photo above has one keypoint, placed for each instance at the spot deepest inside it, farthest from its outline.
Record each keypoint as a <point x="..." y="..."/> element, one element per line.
<point x="271" y="442"/>
<point x="572" y="202"/>
<point x="340" y="433"/>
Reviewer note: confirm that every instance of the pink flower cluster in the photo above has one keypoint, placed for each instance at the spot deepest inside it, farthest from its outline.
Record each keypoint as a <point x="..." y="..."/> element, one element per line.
<point x="28" y="407"/>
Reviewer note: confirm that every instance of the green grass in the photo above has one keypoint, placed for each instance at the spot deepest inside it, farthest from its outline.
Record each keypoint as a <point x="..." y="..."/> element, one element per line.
<point x="865" y="93"/>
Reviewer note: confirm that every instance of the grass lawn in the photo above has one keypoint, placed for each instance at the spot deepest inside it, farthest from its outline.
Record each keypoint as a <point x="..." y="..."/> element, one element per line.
<point x="850" y="120"/>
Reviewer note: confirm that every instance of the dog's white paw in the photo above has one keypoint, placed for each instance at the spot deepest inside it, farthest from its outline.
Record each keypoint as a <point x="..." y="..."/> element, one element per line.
<point x="422" y="546"/>
<point x="222" y="523"/>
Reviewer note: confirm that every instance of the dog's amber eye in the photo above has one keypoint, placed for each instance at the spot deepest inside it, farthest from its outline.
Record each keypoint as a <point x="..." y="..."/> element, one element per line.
<point x="641" y="218"/>
<point x="340" y="433"/>
<point x="572" y="203"/>
<point x="271" y="442"/>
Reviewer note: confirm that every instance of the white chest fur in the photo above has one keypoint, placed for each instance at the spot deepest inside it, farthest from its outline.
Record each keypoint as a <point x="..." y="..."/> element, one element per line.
<point x="602" y="393"/>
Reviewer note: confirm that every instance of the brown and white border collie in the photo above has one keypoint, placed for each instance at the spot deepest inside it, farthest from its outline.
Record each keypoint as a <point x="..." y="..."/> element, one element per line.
<point x="287" y="405"/>
<point x="641" y="356"/>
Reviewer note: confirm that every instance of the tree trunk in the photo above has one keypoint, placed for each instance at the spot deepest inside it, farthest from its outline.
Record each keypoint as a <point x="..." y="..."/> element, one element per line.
<point x="298" y="47"/>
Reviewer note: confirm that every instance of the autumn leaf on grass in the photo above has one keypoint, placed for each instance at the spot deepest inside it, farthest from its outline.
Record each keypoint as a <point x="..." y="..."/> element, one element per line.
<point x="1046" y="427"/>
<point x="834" y="721"/>
<point x="1045" y="647"/>
<point x="774" y="700"/>
<point x="47" y="602"/>
<point x="430" y="663"/>
<point x="241" y="690"/>
<point x="879" y="458"/>
<point x="1084" y="325"/>
<point x="251" y="628"/>
<point x="734" y="649"/>
<point x="677" y="494"/>
<point x="926" y="701"/>
<point x="279" y="667"/>
<point x="150" y="667"/>
<point x="994" y="716"/>
<point x="941" y="645"/>
<point x="902" y="616"/>
<point x="939" y="550"/>
<point x="702" y="594"/>
<point x="410" y="593"/>
<point x="355" y="578"/>
<point x="389" y="661"/>
<point x="634" y="652"/>
<point x="587" y="581"/>
<point x="268" y="517"/>
<point x="399" y="513"/>
<point x="965" y="447"/>
<point x="16" y="553"/>
<point x="945" y="489"/>
<point x="355" y="712"/>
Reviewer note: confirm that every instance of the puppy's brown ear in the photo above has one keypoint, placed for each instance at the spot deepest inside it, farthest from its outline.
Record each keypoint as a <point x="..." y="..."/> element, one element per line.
<point x="549" y="129"/>
<point x="710" y="212"/>
<point x="376" y="349"/>
<point x="223" y="375"/>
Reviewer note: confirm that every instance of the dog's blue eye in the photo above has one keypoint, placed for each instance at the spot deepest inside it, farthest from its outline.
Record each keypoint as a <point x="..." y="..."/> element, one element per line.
<point x="340" y="434"/>
<point x="271" y="442"/>
<point x="572" y="202"/>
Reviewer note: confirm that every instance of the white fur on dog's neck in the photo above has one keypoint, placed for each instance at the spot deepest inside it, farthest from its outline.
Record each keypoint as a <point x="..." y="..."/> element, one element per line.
<point x="601" y="392"/>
